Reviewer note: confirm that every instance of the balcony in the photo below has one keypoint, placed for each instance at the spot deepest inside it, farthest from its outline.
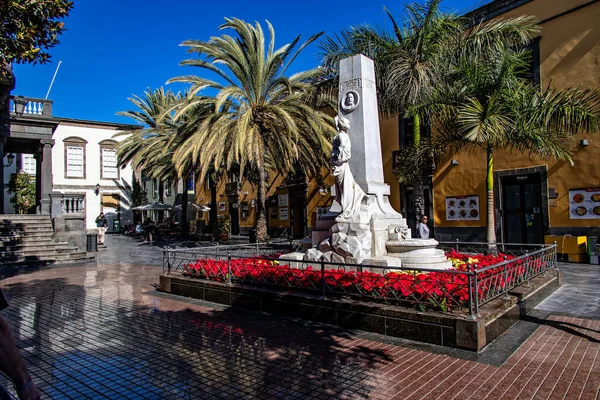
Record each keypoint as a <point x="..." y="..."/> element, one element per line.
<point x="30" y="107"/>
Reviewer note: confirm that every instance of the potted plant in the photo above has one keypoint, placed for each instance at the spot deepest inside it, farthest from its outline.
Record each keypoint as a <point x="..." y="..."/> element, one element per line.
<point x="224" y="229"/>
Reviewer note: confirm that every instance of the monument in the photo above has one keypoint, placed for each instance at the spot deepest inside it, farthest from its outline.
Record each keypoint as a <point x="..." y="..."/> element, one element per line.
<point x="361" y="226"/>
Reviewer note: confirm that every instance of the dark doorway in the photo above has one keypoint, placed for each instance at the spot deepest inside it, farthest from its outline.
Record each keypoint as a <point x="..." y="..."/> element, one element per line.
<point x="522" y="208"/>
<point x="298" y="223"/>
<point x="234" y="214"/>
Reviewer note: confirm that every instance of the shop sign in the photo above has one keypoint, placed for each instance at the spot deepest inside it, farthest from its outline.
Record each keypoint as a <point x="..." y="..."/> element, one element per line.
<point x="584" y="203"/>
<point x="283" y="200"/>
<point x="462" y="208"/>
<point x="283" y="213"/>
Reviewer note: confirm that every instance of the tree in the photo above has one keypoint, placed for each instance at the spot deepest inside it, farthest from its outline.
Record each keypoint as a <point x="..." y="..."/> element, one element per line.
<point x="260" y="116"/>
<point x="28" y="27"/>
<point x="485" y="101"/>
<point x="409" y="61"/>
<point x="23" y="186"/>
<point x="151" y="147"/>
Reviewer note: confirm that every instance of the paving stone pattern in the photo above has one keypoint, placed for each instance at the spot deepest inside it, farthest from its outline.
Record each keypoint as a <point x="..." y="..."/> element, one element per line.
<point x="102" y="331"/>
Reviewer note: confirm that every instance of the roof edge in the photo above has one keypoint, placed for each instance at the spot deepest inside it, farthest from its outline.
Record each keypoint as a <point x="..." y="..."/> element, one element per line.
<point x="100" y="123"/>
<point x="494" y="9"/>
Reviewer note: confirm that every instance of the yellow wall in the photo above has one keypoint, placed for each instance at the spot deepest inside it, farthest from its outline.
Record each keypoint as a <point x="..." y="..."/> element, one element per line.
<point x="569" y="56"/>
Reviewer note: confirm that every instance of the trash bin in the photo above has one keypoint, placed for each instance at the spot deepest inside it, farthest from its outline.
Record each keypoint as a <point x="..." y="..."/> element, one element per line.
<point x="252" y="236"/>
<point x="92" y="242"/>
<point x="116" y="226"/>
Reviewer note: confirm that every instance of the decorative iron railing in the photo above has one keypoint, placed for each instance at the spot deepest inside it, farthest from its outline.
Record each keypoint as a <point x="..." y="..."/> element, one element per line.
<point x="463" y="289"/>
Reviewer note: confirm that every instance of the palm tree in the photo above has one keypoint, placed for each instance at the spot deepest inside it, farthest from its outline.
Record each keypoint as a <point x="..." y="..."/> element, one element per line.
<point x="486" y="102"/>
<point x="409" y="60"/>
<point x="151" y="147"/>
<point x="261" y="116"/>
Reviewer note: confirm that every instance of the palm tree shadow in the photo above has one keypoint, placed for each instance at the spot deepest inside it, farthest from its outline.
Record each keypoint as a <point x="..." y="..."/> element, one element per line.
<point x="76" y="339"/>
<point x="229" y="353"/>
<point x="567" y="327"/>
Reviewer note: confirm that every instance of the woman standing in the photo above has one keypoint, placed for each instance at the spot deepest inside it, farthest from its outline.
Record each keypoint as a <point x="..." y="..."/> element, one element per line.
<point x="422" y="228"/>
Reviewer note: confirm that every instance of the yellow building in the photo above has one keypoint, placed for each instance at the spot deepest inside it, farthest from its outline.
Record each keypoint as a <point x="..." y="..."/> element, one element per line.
<point x="533" y="197"/>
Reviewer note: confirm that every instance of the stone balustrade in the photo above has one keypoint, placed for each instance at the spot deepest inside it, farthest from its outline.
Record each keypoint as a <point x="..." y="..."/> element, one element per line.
<point x="33" y="106"/>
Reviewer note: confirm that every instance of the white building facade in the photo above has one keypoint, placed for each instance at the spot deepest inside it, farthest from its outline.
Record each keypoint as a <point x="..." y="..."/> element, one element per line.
<point x="84" y="171"/>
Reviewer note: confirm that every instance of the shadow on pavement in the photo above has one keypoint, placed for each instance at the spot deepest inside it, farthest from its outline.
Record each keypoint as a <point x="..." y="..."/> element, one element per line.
<point x="87" y="340"/>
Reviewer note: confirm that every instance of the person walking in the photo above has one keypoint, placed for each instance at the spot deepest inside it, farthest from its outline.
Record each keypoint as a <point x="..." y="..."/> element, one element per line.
<point x="11" y="363"/>
<point x="422" y="228"/>
<point x="101" y="223"/>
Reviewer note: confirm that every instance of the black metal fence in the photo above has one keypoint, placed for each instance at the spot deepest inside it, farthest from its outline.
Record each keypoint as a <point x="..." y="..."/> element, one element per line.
<point x="476" y="281"/>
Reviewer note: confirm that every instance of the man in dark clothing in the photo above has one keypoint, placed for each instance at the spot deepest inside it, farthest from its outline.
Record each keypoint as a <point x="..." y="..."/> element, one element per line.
<point x="101" y="223"/>
<point x="11" y="363"/>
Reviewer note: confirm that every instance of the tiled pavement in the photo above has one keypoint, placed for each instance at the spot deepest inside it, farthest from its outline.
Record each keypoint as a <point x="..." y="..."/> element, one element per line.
<point x="102" y="331"/>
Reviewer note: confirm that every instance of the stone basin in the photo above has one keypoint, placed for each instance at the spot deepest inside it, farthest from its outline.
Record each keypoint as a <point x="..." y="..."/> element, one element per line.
<point x="418" y="253"/>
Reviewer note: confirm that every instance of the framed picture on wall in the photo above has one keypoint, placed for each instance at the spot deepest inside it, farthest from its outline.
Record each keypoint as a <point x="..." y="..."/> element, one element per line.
<point x="222" y="207"/>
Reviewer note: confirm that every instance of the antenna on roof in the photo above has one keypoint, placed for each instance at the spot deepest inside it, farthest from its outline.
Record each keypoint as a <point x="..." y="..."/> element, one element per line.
<point x="53" y="78"/>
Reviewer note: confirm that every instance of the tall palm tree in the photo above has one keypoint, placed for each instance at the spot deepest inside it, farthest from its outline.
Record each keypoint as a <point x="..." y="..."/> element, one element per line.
<point x="261" y="116"/>
<point x="409" y="59"/>
<point x="151" y="147"/>
<point x="486" y="102"/>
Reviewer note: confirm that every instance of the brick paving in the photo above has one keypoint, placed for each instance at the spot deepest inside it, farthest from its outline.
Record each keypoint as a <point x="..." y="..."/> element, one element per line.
<point x="102" y="331"/>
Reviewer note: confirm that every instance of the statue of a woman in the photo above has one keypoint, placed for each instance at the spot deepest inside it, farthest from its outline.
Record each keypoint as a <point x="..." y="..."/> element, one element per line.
<point x="348" y="193"/>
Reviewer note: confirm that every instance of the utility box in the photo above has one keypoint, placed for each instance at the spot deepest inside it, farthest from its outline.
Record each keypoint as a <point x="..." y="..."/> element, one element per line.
<point x="569" y="244"/>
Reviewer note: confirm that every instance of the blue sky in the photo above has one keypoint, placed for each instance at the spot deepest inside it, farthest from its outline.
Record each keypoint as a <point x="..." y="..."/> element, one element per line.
<point x="116" y="48"/>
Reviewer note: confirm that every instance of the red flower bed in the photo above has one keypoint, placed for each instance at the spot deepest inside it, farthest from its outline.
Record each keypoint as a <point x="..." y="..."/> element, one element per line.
<point x="434" y="290"/>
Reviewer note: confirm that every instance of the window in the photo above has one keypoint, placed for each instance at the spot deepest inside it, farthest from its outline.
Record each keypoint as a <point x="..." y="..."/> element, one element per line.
<point x="109" y="164"/>
<point x="108" y="160"/>
<point x="29" y="164"/>
<point x="155" y="186"/>
<point x="74" y="157"/>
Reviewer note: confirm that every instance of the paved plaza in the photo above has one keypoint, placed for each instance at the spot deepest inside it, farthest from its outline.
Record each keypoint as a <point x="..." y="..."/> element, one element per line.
<point x="101" y="330"/>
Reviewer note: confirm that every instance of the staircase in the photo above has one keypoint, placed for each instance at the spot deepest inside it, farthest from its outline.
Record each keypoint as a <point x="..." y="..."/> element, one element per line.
<point x="28" y="239"/>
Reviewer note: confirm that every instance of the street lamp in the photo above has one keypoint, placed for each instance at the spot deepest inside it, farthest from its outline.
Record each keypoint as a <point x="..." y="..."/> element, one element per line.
<point x="20" y="104"/>
<point x="97" y="190"/>
<point x="10" y="158"/>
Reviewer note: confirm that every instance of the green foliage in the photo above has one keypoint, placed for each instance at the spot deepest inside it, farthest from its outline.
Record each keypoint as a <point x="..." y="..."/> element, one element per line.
<point x="28" y="27"/>
<point x="23" y="186"/>
<point x="260" y="117"/>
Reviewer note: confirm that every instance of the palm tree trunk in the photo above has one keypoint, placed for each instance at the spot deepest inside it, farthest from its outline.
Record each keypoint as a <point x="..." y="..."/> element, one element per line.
<point x="490" y="235"/>
<point x="185" y="230"/>
<point x="214" y="226"/>
<point x="418" y="192"/>
<point x="261" y="221"/>
<point x="161" y="199"/>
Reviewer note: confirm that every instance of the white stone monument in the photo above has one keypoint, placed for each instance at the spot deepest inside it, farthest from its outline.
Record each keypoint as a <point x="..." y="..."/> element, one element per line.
<point x="361" y="225"/>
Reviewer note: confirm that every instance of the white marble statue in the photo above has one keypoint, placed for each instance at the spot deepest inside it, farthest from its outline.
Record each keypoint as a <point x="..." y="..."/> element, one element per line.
<point x="348" y="193"/>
